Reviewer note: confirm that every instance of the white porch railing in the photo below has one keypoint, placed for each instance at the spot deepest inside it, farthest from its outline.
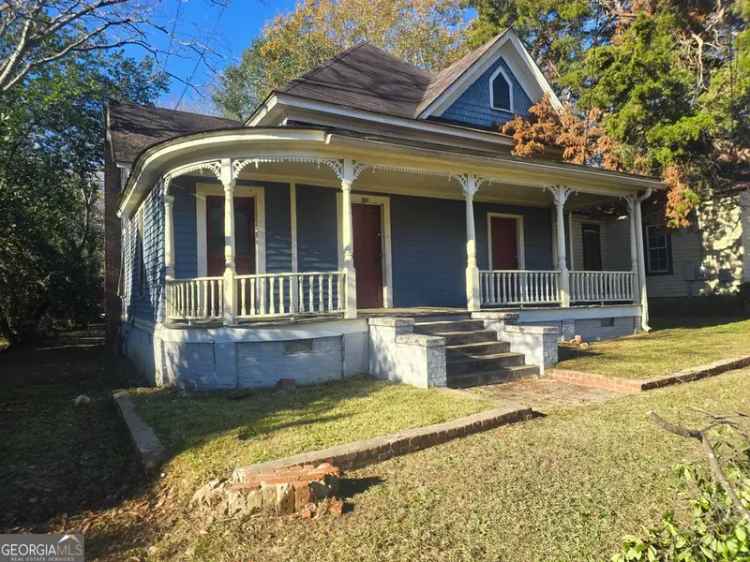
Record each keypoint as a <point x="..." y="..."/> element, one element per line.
<point x="516" y="287"/>
<point x="198" y="298"/>
<point x="274" y="295"/>
<point x="602" y="286"/>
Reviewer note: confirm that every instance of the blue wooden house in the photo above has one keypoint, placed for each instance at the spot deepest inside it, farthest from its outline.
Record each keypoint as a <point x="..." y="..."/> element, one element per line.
<point x="367" y="218"/>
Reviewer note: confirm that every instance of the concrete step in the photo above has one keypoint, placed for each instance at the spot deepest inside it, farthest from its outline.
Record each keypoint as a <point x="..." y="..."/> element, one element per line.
<point x="476" y="349"/>
<point x="460" y="338"/>
<point x="499" y="376"/>
<point x="484" y="363"/>
<point x="448" y="326"/>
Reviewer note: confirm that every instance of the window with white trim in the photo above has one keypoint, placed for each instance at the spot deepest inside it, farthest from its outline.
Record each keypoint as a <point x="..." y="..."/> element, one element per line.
<point x="658" y="250"/>
<point x="501" y="91"/>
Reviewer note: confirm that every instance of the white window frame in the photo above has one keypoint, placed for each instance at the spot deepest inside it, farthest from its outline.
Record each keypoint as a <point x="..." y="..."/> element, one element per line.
<point x="650" y="269"/>
<point x="385" y="229"/>
<point x="203" y="190"/>
<point x="508" y="81"/>
<point x="520" y="252"/>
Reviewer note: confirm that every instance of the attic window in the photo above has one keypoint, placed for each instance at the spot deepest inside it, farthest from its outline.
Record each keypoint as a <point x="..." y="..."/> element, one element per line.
<point x="501" y="92"/>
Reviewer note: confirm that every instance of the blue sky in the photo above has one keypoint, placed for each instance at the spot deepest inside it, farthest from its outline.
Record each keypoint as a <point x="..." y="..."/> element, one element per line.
<point x="228" y="31"/>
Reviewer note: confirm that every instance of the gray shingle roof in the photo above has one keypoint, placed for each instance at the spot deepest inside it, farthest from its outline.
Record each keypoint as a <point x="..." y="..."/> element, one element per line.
<point x="362" y="77"/>
<point x="366" y="77"/>
<point x="134" y="127"/>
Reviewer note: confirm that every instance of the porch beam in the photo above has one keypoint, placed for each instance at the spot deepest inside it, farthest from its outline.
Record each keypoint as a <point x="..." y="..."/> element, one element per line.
<point x="230" y="290"/>
<point x="470" y="185"/>
<point x="560" y="195"/>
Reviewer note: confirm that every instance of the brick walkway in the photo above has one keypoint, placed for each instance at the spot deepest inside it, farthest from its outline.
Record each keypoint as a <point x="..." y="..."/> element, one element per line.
<point x="545" y="394"/>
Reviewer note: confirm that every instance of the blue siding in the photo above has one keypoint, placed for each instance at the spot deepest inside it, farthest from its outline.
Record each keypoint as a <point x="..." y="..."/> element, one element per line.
<point x="146" y="245"/>
<point x="185" y="228"/>
<point x="278" y="232"/>
<point x="537" y="233"/>
<point x="278" y="229"/>
<point x="428" y="243"/>
<point x="317" y="241"/>
<point x="473" y="106"/>
<point x="429" y="247"/>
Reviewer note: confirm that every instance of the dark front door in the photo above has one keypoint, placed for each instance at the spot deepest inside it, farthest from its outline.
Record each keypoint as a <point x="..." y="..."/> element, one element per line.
<point x="592" y="247"/>
<point x="504" y="243"/>
<point x="244" y="235"/>
<point x="368" y="255"/>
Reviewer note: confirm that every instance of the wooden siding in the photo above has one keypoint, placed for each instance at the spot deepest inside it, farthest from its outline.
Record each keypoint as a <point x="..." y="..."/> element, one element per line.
<point x="473" y="106"/>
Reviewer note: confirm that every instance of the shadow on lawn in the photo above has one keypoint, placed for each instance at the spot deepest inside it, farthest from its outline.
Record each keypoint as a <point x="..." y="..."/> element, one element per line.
<point x="190" y="420"/>
<point x="59" y="460"/>
<point x="663" y="322"/>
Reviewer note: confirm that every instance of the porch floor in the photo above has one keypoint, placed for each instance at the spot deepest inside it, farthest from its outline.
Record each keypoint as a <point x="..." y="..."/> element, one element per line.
<point x="410" y="311"/>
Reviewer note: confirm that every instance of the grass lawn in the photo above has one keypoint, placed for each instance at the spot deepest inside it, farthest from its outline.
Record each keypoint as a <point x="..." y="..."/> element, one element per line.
<point x="671" y="346"/>
<point x="565" y="487"/>
<point x="210" y="434"/>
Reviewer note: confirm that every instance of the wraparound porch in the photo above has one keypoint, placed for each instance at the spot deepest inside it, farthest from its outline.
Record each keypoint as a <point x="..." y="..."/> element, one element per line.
<point x="540" y="239"/>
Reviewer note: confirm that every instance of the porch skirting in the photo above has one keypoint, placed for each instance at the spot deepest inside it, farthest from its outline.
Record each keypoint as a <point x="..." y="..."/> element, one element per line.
<point x="226" y="358"/>
<point x="203" y="358"/>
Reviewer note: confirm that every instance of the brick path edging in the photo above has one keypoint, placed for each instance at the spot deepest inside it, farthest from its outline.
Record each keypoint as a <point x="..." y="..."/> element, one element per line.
<point x="362" y="453"/>
<point x="619" y="384"/>
<point x="150" y="450"/>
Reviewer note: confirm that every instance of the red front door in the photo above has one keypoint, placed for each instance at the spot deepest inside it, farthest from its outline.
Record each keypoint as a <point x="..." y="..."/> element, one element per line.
<point x="368" y="255"/>
<point x="504" y="243"/>
<point x="244" y="235"/>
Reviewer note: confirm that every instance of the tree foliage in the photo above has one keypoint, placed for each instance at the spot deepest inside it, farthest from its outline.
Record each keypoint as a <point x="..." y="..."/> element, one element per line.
<point x="427" y="33"/>
<point x="669" y="81"/>
<point x="51" y="156"/>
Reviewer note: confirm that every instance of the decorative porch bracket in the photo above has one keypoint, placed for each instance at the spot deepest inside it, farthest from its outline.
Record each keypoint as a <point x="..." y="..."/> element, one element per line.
<point x="637" y="253"/>
<point x="348" y="171"/>
<point x="560" y="194"/>
<point x="470" y="185"/>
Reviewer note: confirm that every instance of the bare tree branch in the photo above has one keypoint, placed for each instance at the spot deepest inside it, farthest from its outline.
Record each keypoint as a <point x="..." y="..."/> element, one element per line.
<point x="708" y="448"/>
<point x="38" y="32"/>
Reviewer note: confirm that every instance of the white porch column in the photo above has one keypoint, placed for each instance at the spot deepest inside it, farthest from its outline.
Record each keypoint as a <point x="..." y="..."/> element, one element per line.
<point x="470" y="185"/>
<point x="632" y="202"/>
<point x="561" y="195"/>
<point x="641" y="261"/>
<point x="169" y="236"/>
<point x="230" y="290"/>
<point x="347" y="170"/>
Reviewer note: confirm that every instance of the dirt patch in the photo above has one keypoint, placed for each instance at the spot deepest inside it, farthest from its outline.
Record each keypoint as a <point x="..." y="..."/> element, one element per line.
<point x="545" y="394"/>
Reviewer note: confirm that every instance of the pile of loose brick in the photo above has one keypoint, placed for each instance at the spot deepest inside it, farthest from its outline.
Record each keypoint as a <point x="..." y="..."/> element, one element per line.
<point x="307" y="490"/>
